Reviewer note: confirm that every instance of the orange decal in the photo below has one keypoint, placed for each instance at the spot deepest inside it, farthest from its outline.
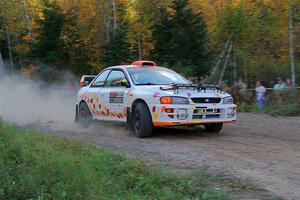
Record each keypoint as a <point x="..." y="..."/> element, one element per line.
<point x="188" y="123"/>
<point x="163" y="108"/>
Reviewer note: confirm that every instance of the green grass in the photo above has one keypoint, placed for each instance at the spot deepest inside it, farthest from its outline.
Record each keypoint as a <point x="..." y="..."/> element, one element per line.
<point x="38" y="166"/>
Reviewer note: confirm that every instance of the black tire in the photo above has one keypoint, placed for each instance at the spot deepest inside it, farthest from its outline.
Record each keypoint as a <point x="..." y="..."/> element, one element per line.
<point x="85" y="117"/>
<point x="142" y="121"/>
<point x="213" y="128"/>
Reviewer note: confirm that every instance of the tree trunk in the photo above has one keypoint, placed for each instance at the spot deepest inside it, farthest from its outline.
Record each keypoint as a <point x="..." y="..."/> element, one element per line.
<point x="139" y="46"/>
<point x="27" y="20"/>
<point x="291" y="43"/>
<point x="246" y="71"/>
<point x="2" y="69"/>
<point x="225" y="63"/>
<point x="234" y="67"/>
<point x="105" y="19"/>
<point x="9" y="46"/>
<point x="219" y="59"/>
<point x="113" y="2"/>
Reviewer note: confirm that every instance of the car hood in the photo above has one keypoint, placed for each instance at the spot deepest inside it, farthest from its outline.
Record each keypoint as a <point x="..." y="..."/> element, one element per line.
<point x="189" y="93"/>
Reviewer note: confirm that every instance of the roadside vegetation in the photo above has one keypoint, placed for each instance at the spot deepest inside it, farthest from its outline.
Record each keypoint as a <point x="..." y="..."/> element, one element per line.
<point x="282" y="104"/>
<point x="252" y="40"/>
<point x="37" y="166"/>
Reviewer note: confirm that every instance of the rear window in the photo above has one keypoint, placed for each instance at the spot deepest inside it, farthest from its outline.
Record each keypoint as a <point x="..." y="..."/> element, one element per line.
<point x="155" y="76"/>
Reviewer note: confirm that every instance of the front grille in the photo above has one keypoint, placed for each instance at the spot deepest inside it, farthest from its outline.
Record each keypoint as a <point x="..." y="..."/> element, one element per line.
<point x="206" y="100"/>
<point x="212" y="116"/>
<point x="206" y="113"/>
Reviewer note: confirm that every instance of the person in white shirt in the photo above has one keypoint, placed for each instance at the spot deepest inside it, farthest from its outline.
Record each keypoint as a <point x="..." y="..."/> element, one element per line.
<point x="260" y="92"/>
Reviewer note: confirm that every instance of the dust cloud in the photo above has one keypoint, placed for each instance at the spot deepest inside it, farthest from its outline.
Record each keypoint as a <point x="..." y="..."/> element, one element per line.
<point x="24" y="101"/>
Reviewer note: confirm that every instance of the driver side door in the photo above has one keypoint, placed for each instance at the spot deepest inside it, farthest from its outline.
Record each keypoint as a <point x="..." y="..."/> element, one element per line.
<point x="95" y="95"/>
<point x="114" y="96"/>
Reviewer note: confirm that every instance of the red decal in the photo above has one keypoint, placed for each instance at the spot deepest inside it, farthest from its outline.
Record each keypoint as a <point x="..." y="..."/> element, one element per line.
<point x="153" y="109"/>
<point x="113" y="94"/>
<point x="156" y="94"/>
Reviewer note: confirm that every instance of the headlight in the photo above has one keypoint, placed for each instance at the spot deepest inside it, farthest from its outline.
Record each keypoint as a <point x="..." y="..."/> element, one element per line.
<point x="227" y="100"/>
<point x="174" y="100"/>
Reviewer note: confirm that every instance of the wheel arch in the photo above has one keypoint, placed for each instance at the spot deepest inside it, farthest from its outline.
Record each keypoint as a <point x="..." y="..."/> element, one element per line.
<point x="77" y="109"/>
<point x="135" y="102"/>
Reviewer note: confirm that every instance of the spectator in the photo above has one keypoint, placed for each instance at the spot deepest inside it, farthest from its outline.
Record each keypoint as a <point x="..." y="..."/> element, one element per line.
<point x="280" y="85"/>
<point x="260" y="92"/>
<point x="241" y="85"/>
<point x="289" y="83"/>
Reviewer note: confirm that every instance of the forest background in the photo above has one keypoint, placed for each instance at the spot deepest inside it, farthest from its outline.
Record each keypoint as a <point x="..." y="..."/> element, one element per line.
<point x="203" y="39"/>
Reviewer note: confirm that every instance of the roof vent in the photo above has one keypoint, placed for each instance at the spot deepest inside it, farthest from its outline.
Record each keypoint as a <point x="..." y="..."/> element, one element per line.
<point x="144" y="63"/>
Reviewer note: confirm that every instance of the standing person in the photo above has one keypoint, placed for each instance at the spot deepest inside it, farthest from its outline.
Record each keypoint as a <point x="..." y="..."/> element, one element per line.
<point x="241" y="85"/>
<point x="260" y="96"/>
<point x="280" y="85"/>
<point x="288" y="83"/>
<point x="241" y="90"/>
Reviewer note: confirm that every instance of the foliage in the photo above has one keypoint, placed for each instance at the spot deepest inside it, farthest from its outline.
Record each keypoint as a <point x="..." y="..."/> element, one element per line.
<point x="284" y="103"/>
<point x="36" y="166"/>
<point x="116" y="51"/>
<point x="50" y="47"/>
<point x="180" y="39"/>
<point x="86" y="35"/>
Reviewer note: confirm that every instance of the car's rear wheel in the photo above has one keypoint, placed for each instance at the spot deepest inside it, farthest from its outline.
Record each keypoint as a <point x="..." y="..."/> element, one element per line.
<point x="142" y="121"/>
<point x="84" y="115"/>
<point x="213" y="128"/>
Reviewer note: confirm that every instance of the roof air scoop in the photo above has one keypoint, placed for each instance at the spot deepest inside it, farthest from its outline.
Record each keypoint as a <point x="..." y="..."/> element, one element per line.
<point x="141" y="63"/>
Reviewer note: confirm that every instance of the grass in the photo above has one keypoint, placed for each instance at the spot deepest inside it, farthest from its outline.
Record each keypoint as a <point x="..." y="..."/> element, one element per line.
<point x="38" y="166"/>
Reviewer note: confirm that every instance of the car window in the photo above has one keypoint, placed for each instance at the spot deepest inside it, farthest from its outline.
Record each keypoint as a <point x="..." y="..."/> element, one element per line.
<point x="155" y="76"/>
<point x="100" y="80"/>
<point x="114" y="79"/>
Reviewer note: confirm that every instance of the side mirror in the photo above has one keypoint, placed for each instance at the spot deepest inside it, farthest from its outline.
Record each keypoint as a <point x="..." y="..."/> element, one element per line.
<point x="125" y="83"/>
<point x="84" y="83"/>
<point x="86" y="80"/>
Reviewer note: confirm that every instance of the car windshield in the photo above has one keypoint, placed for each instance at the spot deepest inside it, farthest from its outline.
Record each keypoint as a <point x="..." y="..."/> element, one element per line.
<point x="155" y="76"/>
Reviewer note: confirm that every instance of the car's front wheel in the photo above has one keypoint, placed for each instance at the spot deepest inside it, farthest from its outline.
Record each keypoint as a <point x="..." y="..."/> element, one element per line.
<point x="213" y="128"/>
<point x="84" y="115"/>
<point x="142" y="121"/>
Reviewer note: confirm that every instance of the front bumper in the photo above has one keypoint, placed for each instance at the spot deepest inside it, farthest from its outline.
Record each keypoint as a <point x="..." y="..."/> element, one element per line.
<point x="173" y="115"/>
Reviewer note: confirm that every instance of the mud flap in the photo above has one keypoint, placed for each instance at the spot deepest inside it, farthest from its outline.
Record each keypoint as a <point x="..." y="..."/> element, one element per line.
<point x="76" y="113"/>
<point x="129" y="117"/>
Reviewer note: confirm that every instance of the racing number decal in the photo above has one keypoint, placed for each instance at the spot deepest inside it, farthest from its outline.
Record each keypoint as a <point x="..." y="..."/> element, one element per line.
<point x="116" y="97"/>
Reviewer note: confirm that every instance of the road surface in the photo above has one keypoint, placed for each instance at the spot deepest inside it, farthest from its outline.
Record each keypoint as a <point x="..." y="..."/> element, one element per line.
<point x="259" y="148"/>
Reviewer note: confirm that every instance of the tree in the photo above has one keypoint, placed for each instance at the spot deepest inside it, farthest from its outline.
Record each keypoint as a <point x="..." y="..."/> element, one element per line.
<point x="50" y="47"/>
<point x="117" y="50"/>
<point x="181" y="39"/>
<point x="291" y="42"/>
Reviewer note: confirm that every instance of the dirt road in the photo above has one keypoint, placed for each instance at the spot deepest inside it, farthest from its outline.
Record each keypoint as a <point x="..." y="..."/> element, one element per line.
<point x="260" y="148"/>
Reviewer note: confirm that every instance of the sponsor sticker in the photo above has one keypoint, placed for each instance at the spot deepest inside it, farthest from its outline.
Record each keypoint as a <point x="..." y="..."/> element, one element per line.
<point x="116" y="97"/>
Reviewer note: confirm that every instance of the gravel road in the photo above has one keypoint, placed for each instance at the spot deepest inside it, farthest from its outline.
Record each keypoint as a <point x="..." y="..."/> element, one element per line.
<point x="259" y="148"/>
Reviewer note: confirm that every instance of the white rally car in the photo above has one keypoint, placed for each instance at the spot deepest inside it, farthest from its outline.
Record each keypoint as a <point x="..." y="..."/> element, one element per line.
<point x="147" y="96"/>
